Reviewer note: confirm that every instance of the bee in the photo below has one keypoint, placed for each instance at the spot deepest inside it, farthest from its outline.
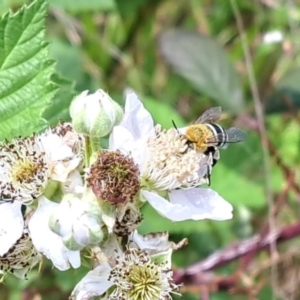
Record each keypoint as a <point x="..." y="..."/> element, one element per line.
<point x="205" y="136"/>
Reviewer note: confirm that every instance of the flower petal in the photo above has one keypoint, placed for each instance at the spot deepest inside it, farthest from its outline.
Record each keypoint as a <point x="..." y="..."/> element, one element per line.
<point x="63" y="152"/>
<point x="11" y="225"/>
<point x="133" y="132"/>
<point x="137" y="119"/>
<point x="95" y="283"/>
<point x="77" y="222"/>
<point x="123" y="140"/>
<point x="154" y="242"/>
<point x="46" y="241"/>
<point x="165" y="208"/>
<point x="203" y="203"/>
<point x="194" y="204"/>
<point x="55" y="147"/>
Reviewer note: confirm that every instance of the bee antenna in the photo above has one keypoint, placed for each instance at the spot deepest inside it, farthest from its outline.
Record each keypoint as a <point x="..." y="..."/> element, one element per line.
<point x="174" y="125"/>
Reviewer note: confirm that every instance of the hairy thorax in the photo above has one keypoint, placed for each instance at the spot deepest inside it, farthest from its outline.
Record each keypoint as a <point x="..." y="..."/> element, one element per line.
<point x="199" y="135"/>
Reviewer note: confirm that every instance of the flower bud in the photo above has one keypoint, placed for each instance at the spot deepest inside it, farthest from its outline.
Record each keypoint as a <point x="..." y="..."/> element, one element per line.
<point x="77" y="222"/>
<point x="95" y="114"/>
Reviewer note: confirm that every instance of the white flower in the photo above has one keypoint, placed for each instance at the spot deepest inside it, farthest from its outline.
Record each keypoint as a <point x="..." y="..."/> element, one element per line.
<point x="166" y="163"/>
<point x="48" y="242"/>
<point x="23" y="178"/>
<point x="23" y="170"/>
<point x="137" y="273"/>
<point x="12" y="226"/>
<point x="26" y="166"/>
<point x="63" y="148"/>
<point x="77" y="222"/>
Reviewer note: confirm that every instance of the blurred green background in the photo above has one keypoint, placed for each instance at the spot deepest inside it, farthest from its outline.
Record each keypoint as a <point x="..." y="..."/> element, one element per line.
<point x="183" y="57"/>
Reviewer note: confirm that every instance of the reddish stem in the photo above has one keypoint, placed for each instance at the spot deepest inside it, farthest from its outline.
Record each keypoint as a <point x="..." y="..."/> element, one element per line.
<point x="198" y="272"/>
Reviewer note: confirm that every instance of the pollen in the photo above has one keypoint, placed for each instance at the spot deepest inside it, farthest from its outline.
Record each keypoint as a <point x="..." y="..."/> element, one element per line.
<point x="171" y="163"/>
<point x="24" y="171"/>
<point x="114" y="177"/>
<point x="137" y="277"/>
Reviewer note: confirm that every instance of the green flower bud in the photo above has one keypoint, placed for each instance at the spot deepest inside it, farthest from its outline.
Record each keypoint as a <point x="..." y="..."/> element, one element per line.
<point x="96" y="114"/>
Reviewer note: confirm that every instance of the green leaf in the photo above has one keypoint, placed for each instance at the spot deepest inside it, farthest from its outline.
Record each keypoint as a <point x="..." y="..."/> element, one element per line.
<point x="235" y="188"/>
<point x="25" y="71"/>
<point x="267" y="292"/>
<point x="204" y="63"/>
<point x="3" y="8"/>
<point x="69" y="60"/>
<point x="286" y="94"/>
<point x="7" y="4"/>
<point x="84" y="5"/>
<point x="59" y="108"/>
<point x="129" y="8"/>
<point x="66" y="280"/>
<point x="222" y="296"/>
<point x="240" y="170"/>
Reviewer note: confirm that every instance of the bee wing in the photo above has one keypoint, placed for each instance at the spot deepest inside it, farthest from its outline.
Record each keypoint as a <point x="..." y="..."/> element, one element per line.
<point x="210" y="115"/>
<point x="233" y="135"/>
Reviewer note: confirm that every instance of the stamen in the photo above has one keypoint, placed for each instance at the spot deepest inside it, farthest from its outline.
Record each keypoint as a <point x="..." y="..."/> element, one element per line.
<point x="129" y="221"/>
<point x="24" y="171"/>
<point x="171" y="163"/>
<point x="137" y="277"/>
<point x="20" y="258"/>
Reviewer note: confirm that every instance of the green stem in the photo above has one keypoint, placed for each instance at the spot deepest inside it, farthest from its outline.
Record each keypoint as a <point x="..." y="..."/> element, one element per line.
<point x="91" y="146"/>
<point x="87" y="151"/>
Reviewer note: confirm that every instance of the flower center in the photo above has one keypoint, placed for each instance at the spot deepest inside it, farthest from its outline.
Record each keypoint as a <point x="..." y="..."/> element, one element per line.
<point x="171" y="163"/>
<point x="145" y="282"/>
<point x="119" y="170"/>
<point x="114" y="177"/>
<point x="137" y="277"/>
<point x="24" y="170"/>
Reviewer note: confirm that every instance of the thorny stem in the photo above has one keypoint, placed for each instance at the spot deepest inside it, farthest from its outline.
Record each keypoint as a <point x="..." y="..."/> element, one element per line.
<point x="198" y="273"/>
<point x="289" y="175"/>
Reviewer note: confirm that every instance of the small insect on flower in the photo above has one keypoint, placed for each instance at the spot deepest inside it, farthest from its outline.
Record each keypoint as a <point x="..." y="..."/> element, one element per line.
<point x="207" y="137"/>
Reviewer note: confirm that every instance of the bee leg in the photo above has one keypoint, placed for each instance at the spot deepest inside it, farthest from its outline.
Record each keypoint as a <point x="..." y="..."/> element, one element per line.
<point x="208" y="178"/>
<point x="215" y="156"/>
<point x="208" y="174"/>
